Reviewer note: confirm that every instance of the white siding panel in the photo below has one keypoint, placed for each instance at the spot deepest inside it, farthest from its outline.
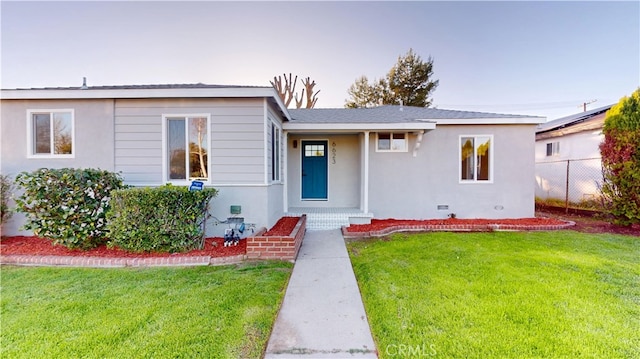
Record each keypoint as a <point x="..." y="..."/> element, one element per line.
<point x="222" y="161"/>
<point x="237" y="152"/>
<point x="145" y="178"/>
<point x="138" y="136"/>
<point x="147" y="128"/>
<point x="140" y="161"/>
<point x="139" y="145"/>
<point x="236" y="168"/>
<point x="234" y="178"/>
<point x="145" y="153"/>
<point x="237" y="137"/>
<point x="140" y="168"/>
<point x="236" y="127"/>
<point x="234" y="144"/>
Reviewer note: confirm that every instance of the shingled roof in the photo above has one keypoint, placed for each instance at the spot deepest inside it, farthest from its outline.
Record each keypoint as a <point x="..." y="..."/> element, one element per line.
<point x="390" y="114"/>
<point x="141" y="87"/>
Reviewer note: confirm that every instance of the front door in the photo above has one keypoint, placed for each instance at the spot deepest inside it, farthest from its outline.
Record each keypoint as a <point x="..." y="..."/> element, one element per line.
<point x="314" y="170"/>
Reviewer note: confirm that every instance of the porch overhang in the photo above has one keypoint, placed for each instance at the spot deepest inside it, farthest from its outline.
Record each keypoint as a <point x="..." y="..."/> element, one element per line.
<point x="328" y="127"/>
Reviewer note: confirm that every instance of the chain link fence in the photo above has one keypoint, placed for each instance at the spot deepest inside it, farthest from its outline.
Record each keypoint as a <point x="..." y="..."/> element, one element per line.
<point x="575" y="182"/>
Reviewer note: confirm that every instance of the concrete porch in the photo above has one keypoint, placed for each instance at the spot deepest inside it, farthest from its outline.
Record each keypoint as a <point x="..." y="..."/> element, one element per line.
<point x="330" y="218"/>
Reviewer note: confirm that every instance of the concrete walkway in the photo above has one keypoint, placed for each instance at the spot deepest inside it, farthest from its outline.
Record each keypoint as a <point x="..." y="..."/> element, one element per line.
<point x="322" y="315"/>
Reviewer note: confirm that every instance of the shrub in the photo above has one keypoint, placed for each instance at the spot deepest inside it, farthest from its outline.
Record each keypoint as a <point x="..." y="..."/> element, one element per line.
<point x="67" y="205"/>
<point x="166" y="219"/>
<point x="6" y="186"/>
<point x="620" y="152"/>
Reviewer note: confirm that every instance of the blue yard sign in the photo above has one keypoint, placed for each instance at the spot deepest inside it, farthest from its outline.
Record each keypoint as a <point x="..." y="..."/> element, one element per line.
<point x="196" y="186"/>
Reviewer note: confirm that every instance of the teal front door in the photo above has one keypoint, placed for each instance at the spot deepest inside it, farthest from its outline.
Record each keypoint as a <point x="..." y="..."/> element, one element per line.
<point x="314" y="170"/>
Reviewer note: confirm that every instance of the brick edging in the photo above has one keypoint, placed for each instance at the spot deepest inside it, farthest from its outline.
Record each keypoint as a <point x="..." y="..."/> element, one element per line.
<point x="495" y="227"/>
<point x="277" y="247"/>
<point x="102" y="262"/>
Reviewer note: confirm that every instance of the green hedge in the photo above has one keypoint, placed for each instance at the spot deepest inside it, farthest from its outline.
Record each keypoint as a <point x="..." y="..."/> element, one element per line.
<point x="67" y="205"/>
<point x="166" y="219"/>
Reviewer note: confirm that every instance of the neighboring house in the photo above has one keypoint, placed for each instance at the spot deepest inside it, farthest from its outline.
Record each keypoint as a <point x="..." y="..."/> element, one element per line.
<point x="335" y="165"/>
<point x="570" y="145"/>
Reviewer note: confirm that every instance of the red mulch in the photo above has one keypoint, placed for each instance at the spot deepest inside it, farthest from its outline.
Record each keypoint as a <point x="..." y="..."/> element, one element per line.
<point x="214" y="247"/>
<point x="594" y="224"/>
<point x="379" y="224"/>
<point x="283" y="227"/>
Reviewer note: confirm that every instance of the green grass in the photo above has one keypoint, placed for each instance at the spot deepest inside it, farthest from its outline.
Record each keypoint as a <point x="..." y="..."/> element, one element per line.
<point x="508" y="295"/>
<point x="206" y="312"/>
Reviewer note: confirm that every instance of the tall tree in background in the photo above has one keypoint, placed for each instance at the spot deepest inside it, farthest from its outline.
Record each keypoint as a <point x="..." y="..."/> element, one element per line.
<point x="409" y="82"/>
<point x="620" y="152"/>
<point x="364" y="94"/>
<point x="287" y="91"/>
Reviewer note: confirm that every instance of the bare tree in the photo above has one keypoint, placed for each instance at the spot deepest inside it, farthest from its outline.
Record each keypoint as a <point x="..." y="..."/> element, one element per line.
<point x="200" y="125"/>
<point x="287" y="92"/>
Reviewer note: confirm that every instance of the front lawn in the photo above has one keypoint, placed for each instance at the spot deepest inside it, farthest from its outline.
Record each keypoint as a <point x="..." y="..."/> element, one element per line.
<point x="505" y="295"/>
<point x="197" y="312"/>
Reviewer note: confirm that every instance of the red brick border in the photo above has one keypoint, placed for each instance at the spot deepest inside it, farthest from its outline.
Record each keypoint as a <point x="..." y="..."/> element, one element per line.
<point x="277" y="247"/>
<point x="454" y="228"/>
<point x="101" y="262"/>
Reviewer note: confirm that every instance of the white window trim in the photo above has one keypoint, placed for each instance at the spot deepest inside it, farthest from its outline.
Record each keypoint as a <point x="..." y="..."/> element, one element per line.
<point x="30" y="152"/>
<point x="272" y="124"/>
<point x="165" y="165"/>
<point x="492" y="149"/>
<point x="555" y="149"/>
<point x="406" y="142"/>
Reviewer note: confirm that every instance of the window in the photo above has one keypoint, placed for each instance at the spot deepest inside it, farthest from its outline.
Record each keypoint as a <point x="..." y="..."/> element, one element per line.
<point x="553" y="149"/>
<point x="314" y="150"/>
<point x="50" y="133"/>
<point x="187" y="156"/>
<point x="391" y="142"/>
<point x="275" y="152"/>
<point x="476" y="158"/>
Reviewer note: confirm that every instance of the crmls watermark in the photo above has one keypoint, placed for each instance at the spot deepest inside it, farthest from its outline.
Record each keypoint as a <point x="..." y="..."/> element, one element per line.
<point x="411" y="351"/>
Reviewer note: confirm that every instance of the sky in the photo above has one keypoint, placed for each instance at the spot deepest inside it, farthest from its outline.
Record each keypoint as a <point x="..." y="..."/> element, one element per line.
<point x="532" y="58"/>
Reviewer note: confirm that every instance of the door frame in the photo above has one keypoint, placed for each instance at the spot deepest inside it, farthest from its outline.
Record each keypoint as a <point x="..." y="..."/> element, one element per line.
<point x="326" y="142"/>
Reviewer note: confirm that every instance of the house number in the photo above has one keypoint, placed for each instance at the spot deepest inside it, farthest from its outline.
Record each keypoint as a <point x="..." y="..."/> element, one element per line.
<point x="333" y="153"/>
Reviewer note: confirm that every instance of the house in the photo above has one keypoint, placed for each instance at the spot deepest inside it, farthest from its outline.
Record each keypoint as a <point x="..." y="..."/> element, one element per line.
<point x="336" y="165"/>
<point x="570" y="145"/>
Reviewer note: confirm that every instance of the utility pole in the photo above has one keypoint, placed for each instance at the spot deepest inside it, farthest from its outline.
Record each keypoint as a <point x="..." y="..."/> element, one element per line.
<point x="584" y="105"/>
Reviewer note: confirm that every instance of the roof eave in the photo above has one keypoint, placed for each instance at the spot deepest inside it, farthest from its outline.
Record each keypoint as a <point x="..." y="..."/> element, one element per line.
<point x="350" y="127"/>
<point x="77" y="94"/>
<point x="491" y="121"/>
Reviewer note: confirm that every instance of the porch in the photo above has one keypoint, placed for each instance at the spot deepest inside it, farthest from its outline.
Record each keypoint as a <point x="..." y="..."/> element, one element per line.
<point x="322" y="218"/>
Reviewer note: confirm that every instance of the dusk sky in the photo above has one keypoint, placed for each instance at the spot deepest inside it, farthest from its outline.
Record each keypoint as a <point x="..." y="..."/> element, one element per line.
<point x="534" y="58"/>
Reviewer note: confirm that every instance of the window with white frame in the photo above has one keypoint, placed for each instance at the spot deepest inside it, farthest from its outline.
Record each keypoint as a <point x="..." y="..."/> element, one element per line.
<point x="553" y="149"/>
<point x="476" y="157"/>
<point x="187" y="147"/>
<point x="275" y="152"/>
<point x="391" y="142"/>
<point x="51" y="133"/>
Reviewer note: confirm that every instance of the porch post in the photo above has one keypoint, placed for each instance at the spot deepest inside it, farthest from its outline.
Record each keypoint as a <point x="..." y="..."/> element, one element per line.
<point x="365" y="179"/>
<point x="285" y="166"/>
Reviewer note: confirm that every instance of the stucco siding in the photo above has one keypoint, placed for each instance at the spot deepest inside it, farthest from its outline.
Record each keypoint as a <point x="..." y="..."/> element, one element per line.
<point x="93" y="145"/>
<point x="236" y="138"/>
<point x="252" y="199"/>
<point x="404" y="186"/>
<point x="343" y="171"/>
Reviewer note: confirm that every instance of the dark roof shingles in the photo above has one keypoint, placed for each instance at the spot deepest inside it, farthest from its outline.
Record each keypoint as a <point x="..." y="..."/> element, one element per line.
<point x="386" y="114"/>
